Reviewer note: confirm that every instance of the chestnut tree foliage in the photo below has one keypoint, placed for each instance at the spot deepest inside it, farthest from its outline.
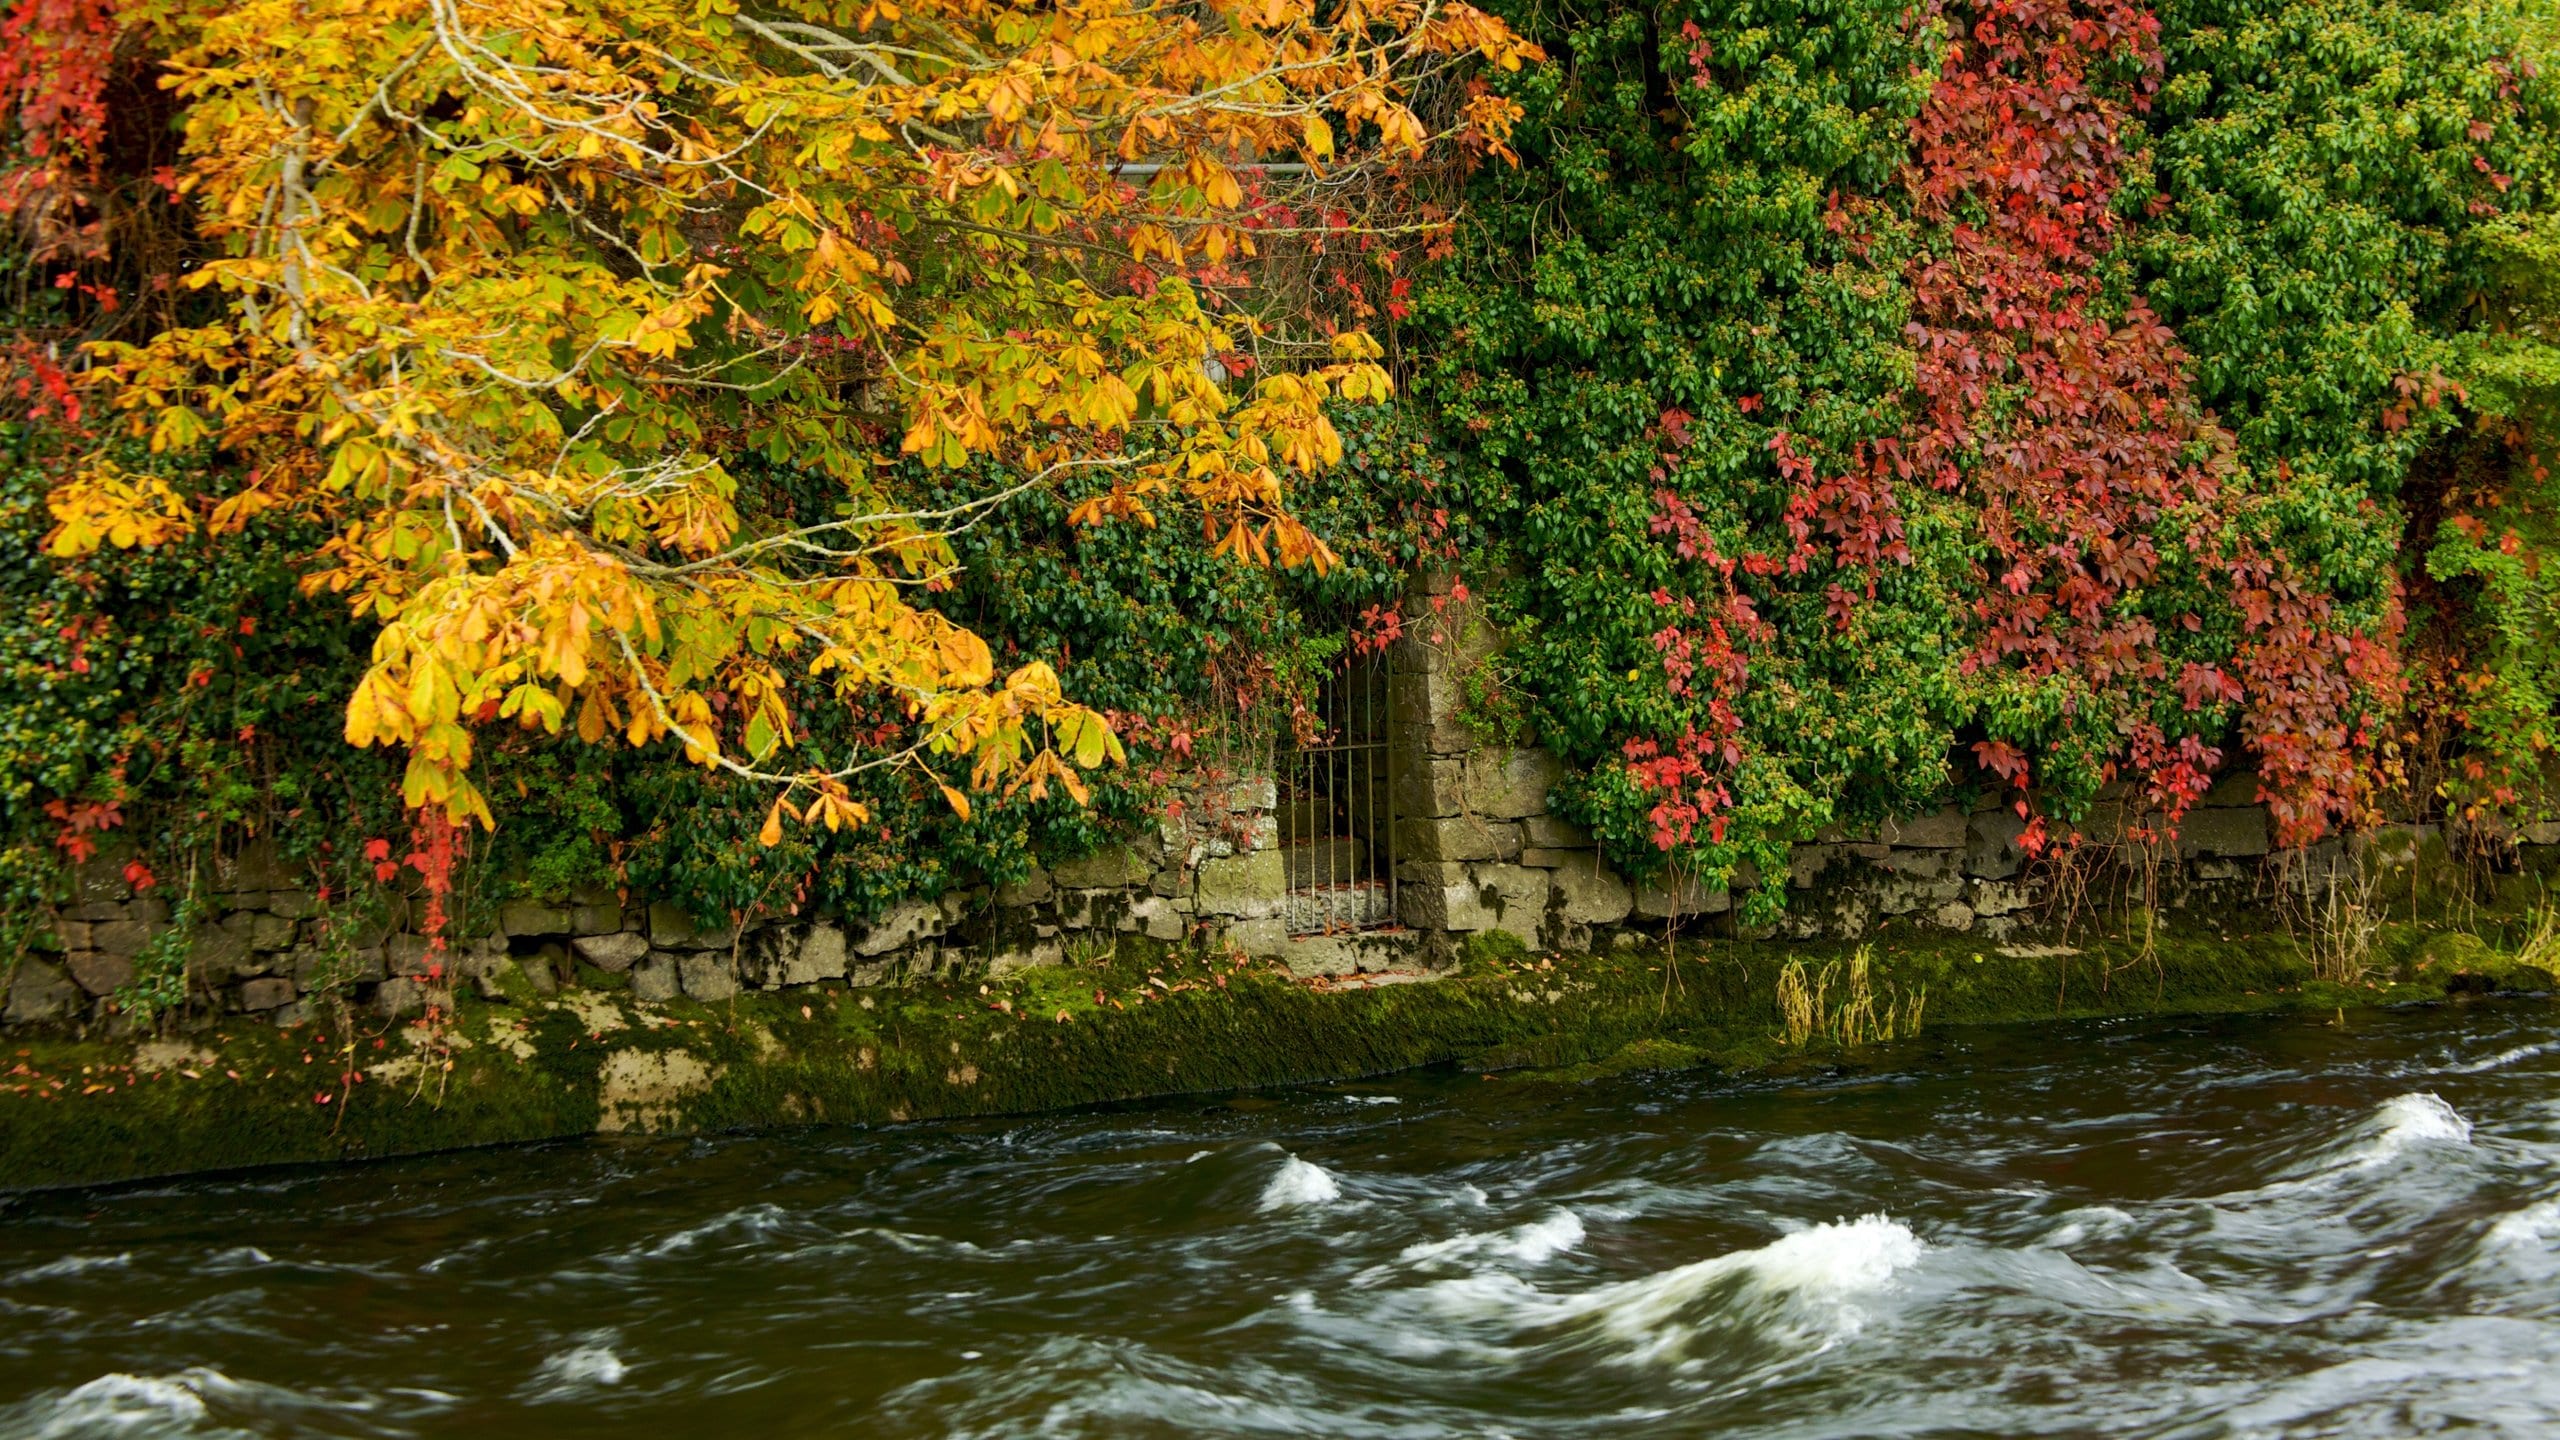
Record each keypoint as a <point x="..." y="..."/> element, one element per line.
<point x="505" y="288"/>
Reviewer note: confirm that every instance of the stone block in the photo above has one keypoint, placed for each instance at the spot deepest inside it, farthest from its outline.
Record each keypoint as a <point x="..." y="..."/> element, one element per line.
<point x="1259" y="937"/>
<point x="1510" y="784"/>
<point x="2542" y="832"/>
<point x="1805" y="864"/>
<point x="98" y="972"/>
<point x="594" y="919"/>
<point x="1656" y="901"/>
<point x="293" y="904"/>
<point x="265" y="932"/>
<point x="531" y="917"/>
<point x="2234" y="790"/>
<point x="408" y="955"/>
<point x="1589" y="893"/>
<point x="40" y="991"/>
<point x="401" y="995"/>
<point x="656" y="977"/>
<point x="1919" y="864"/>
<point x="2224" y="833"/>
<point x="1910" y="894"/>
<point x="1991" y="844"/>
<point x="1254" y="792"/>
<point x="1937" y="830"/>
<point x="1458" y="838"/>
<point x="1250" y="886"/>
<point x="1324" y="862"/>
<point x="123" y="937"/>
<point x="906" y="923"/>
<point x="221" y="953"/>
<point x="615" y="953"/>
<point x="1155" y="917"/>
<point x="1032" y="890"/>
<point x="266" y="994"/>
<point x="706" y="974"/>
<point x="1519" y="896"/>
<point x="1545" y="859"/>
<point x="1108" y="868"/>
<point x="1953" y="915"/>
<point x="670" y="928"/>
<point x="2000" y="897"/>
<point x="1427" y="786"/>
<point x="1013" y="960"/>
<point x="1428" y="710"/>
<point x="1552" y="833"/>
<point x="1453" y="905"/>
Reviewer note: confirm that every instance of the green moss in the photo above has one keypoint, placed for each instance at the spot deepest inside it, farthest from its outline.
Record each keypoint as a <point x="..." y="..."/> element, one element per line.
<point x="1145" y="1020"/>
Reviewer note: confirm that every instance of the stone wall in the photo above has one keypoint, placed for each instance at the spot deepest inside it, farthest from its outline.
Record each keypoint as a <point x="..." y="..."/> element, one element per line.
<point x="1477" y="853"/>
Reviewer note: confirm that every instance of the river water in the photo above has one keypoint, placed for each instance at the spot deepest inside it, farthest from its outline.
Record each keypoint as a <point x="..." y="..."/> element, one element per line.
<point x="2177" y="1229"/>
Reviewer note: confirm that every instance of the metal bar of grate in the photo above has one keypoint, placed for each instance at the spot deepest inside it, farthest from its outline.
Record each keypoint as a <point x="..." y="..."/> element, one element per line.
<point x="1337" y="807"/>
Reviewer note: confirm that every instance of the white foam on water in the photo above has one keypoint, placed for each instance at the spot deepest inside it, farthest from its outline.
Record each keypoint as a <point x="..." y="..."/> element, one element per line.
<point x="590" y="1365"/>
<point x="70" y="1265"/>
<point x="1374" y="1099"/>
<point x="1300" y="1182"/>
<point x="2533" y="1227"/>
<point x="2092" y="1222"/>
<point x="1537" y="1241"/>
<point x="2405" y="1122"/>
<point x="1823" y="1271"/>
<point x="130" y="1405"/>
<point x="2502" y="1059"/>
<point x="757" y="1221"/>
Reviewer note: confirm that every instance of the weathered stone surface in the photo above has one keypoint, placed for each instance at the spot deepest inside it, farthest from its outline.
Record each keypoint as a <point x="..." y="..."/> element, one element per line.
<point x="639" y="1092"/>
<point x="266" y="994"/>
<point x="1015" y="959"/>
<point x="905" y="924"/>
<point x="1428" y="786"/>
<point x="1918" y="864"/>
<point x="1259" y="937"/>
<point x="656" y="976"/>
<point x="531" y="917"/>
<point x="1337" y="907"/>
<point x="1549" y="832"/>
<point x="255" y="867"/>
<point x="1249" y="886"/>
<point x="670" y="928"/>
<point x="1519" y="897"/>
<point x="221" y="953"/>
<point x="401" y="995"/>
<point x="1034" y="889"/>
<point x="1463" y="837"/>
<point x="1545" y="859"/>
<point x="1510" y="784"/>
<point x="594" y="919"/>
<point x="39" y="992"/>
<point x="1155" y="917"/>
<point x="1907" y="894"/>
<point x="97" y="972"/>
<point x="1953" y="915"/>
<point x="1656" y="901"/>
<point x="2545" y="832"/>
<point x="616" y="953"/>
<point x="1108" y="868"/>
<point x="123" y="937"/>
<point x="1454" y="905"/>
<point x="407" y="955"/>
<point x="1254" y="792"/>
<point x="1991" y="844"/>
<point x="706" y="974"/>
<point x="1938" y="830"/>
<point x="1805" y="864"/>
<point x="293" y="904"/>
<point x="2227" y="833"/>
<point x="2235" y="790"/>
<point x="2000" y="897"/>
<point x="1588" y="893"/>
<point x="1427" y="707"/>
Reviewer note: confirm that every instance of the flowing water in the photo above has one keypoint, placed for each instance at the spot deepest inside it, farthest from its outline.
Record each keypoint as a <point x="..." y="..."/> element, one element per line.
<point x="2199" y="1229"/>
